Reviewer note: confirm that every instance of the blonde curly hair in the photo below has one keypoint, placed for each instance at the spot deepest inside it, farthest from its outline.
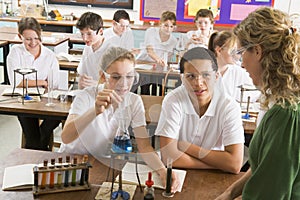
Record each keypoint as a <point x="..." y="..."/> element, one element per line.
<point x="271" y="29"/>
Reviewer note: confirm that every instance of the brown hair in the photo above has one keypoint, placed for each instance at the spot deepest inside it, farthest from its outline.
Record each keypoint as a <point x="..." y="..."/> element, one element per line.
<point x="168" y="15"/>
<point x="205" y="13"/>
<point x="121" y="14"/>
<point x="221" y="39"/>
<point x="90" y="20"/>
<point x="31" y="24"/>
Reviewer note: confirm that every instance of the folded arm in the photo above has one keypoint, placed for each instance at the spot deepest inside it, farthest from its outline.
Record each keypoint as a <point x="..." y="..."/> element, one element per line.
<point x="192" y="156"/>
<point x="230" y="160"/>
<point x="169" y="149"/>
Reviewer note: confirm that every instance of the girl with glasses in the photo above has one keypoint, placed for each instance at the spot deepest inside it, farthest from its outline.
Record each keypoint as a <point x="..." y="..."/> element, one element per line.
<point x="32" y="54"/>
<point x="272" y="60"/>
<point x="93" y="118"/>
<point x="224" y="44"/>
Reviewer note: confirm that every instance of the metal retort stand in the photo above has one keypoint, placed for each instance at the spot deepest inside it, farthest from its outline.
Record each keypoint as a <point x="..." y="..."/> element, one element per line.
<point x="23" y="72"/>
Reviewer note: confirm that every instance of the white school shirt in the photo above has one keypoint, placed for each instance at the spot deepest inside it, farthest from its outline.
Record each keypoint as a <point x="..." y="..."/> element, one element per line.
<point x="235" y="76"/>
<point x="189" y="35"/>
<point x="220" y="126"/>
<point x="97" y="136"/>
<point x="152" y="38"/>
<point x="90" y="62"/>
<point x="126" y="40"/>
<point x="19" y="57"/>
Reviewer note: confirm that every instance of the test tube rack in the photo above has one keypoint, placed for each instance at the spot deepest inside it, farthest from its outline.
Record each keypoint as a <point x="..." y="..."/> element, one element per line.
<point x="62" y="168"/>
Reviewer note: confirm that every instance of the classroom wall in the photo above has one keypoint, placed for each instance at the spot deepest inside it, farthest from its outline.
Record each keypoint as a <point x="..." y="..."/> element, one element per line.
<point x="289" y="6"/>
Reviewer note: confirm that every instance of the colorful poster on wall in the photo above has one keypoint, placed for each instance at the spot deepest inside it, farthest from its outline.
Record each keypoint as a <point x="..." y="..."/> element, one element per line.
<point x="153" y="8"/>
<point x="226" y="12"/>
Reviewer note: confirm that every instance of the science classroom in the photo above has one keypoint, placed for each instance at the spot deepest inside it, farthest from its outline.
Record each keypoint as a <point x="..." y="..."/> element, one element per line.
<point x="149" y="99"/>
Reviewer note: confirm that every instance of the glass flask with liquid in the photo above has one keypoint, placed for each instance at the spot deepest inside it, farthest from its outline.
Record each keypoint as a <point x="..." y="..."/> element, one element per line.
<point x="122" y="142"/>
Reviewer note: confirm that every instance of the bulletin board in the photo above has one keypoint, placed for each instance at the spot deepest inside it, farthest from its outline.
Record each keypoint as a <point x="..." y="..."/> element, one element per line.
<point x="226" y="12"/>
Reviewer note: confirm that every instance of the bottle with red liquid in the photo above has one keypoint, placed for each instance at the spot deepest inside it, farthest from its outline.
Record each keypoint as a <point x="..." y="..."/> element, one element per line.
<point x="149" y="189"/>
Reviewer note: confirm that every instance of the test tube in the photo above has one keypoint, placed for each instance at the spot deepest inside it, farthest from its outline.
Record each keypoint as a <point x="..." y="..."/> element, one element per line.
<point x="83" y="171"/>
<point x="36" y="179"/>
<point x="51" y="184"/>
<point x="66" y="183"/>
<point x="50" y="88"/>
<point x="59" y="173"/>
<point x="73" y="183"/>
<point x="167" y="192"/>
<point x="44" y="175"/>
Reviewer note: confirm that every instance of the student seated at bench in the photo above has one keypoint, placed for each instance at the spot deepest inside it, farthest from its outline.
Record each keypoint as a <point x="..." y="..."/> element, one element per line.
<point x="200" y="126"/>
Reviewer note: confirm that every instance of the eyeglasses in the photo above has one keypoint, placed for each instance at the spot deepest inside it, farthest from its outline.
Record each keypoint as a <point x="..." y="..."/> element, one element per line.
<point x="241" y="51"/>
<point x="89" y="34"/>
<point x="206" y="75"/>
<point x="238" y="53"/>
<point x="168" y="26"/>
<point x="123" y="25"/>
<point x="131" y="77"/>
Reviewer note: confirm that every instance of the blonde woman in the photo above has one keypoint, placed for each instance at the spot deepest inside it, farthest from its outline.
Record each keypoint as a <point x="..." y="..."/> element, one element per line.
<point x="269" y="47"/>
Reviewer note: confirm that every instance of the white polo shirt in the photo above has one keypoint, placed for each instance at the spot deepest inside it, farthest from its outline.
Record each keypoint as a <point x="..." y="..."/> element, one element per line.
<point x="19" y="57"/>
<point x="235" y="76"/>
<point x="152" y="38"/>
<point x="90" y="62"/>
<point x="99" y="133"/>
<point x="126" y="40"/>
<point x="220" y="126"/>
<point x="189" y="35"/>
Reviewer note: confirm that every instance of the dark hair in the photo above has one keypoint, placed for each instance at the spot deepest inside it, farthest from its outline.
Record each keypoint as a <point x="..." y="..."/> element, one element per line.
<point x="121" y="14"/>
<point x="198" y="53"/>
<point x="168" y="15"/>
<point x="205" y="13"/>
<point x="31" y="24"/>
<point x="220" y="39"/>
<point x="90" y="20"/>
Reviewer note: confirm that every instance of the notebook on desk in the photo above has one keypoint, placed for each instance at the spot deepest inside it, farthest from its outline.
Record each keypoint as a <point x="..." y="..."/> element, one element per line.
<point x="18" y="177"/>
<point x="129" y="175"/>
<point x="19" y="91"/>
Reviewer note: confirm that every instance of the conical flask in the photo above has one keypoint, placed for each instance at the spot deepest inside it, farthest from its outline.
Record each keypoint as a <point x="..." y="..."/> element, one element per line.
<point x="122" y="142"/>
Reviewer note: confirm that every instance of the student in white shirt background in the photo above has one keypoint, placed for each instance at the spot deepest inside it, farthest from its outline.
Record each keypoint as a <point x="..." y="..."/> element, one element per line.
<point x="91" y="28"/>
<point x="159" y="45"/>
<point x="120" y="31"/>
<point x="204" y="21"/>
<point x="224" y="44"/>
<point x="32" y="54"/>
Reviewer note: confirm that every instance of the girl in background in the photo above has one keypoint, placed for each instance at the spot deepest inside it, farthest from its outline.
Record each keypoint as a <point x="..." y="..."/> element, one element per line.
<point x="223" y="44"/>
<point x="32" y="54"/>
